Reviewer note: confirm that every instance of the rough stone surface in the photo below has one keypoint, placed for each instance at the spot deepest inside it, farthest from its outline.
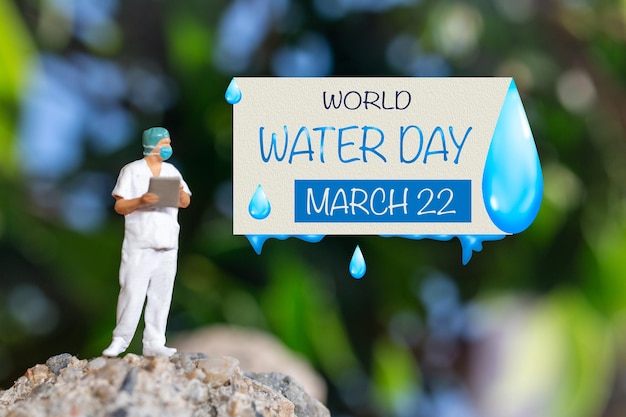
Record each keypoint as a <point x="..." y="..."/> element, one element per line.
<point x="187" y="384"/>
<point x="256" y="350"/>
<point x="292" y="391"/>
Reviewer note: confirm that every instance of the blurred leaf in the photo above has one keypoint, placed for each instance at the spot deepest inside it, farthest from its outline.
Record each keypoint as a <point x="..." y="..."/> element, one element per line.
<point x="606" y="236"/>
<point x="588" y="375"/>
<point x="395" y="375"/>
<point x="190" y="43"/>
<point x="16" y="53"/>
<point x="554" y="356"/>
<point x="304" y="315"/>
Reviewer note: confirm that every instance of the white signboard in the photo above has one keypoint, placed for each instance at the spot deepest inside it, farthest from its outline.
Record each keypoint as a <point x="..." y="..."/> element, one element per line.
<point x="382" y="156"/>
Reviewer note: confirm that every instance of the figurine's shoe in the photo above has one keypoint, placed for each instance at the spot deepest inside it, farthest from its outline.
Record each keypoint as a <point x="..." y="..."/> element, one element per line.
<point x="118" y="345"/>
<point x="152" y="350"/>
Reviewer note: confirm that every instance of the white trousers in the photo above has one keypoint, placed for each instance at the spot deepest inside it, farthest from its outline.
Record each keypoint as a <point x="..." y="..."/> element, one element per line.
<point x="145" y="273"/>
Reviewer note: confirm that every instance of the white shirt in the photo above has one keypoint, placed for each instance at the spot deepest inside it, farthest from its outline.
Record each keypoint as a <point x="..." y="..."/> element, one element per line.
<point x="148" y="227"/>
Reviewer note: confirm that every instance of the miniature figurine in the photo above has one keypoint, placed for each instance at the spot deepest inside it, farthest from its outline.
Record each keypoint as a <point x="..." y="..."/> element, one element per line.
<point x="150" y="247"/>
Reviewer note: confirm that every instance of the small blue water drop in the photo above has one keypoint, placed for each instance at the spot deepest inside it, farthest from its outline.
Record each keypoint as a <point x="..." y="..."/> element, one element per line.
<point x="357" y="264"/>
<point x="512" y="179"/>
<point x="259" y="206"/>
<point x="469" y="243"/>
<point x="474" y="243"/>
<point x="257" y="241"/>
<point x="233" y="93"/>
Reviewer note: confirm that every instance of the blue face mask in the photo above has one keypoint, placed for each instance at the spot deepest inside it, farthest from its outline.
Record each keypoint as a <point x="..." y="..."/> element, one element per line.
<point x="166" y="152"/>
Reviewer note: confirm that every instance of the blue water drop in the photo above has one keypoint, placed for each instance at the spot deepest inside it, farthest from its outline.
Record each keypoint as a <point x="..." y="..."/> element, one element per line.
<point x="469" y="243"/>
<point x="257" y="241"/>
<point x="357" y="264"/>
<point x="259" y="206"/>
<point x="233" y="93"/>
<point x="512" y="179"/>
<point x="474" y="243"/>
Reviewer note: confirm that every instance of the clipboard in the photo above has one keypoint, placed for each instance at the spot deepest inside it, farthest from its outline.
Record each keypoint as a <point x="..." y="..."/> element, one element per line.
<point x="167" y="188"/>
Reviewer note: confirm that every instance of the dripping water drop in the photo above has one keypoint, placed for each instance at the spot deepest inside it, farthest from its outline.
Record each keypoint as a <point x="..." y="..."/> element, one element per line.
<point x="357" y="264"/>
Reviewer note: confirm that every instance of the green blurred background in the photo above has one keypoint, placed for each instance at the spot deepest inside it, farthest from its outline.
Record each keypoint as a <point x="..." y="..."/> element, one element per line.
<point x="533" y="326"/>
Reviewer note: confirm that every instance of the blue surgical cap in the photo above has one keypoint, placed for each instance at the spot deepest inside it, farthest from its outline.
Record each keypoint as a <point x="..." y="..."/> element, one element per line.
<point x="152" y="136"/>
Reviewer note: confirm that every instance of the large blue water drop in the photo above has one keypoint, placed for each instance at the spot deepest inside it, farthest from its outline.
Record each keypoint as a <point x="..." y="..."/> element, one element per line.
<point x="259" y="206"/>
<point x="512" y="179"/>
<point x="233" y="93"/>
<point x="357" y="264"/>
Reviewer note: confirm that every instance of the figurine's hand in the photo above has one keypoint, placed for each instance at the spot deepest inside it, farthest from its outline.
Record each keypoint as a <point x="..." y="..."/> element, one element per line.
<point x="148" y="199"/>
<point x="124" y="207"/>
<point x="183" y="198"/>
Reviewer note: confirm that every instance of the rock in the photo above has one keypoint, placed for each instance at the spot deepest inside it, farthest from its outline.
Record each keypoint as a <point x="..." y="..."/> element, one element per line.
<point x="293" y="392"/>
<point x="256" y="350"/>
<point x="188" y="361"/>
<point x="192" y="385"/>
<point x="58" y="362"/>
<point x="218" y="370"/>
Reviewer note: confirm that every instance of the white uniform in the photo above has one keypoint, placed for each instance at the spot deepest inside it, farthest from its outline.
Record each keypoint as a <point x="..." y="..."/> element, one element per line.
<point x="149" y="256"/>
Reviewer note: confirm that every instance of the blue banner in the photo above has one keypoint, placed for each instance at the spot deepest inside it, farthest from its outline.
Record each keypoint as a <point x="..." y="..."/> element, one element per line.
<point x="383" y="201"/>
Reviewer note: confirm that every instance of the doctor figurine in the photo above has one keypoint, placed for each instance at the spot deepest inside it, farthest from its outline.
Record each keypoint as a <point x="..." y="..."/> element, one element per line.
<point x="150" y="247"/>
